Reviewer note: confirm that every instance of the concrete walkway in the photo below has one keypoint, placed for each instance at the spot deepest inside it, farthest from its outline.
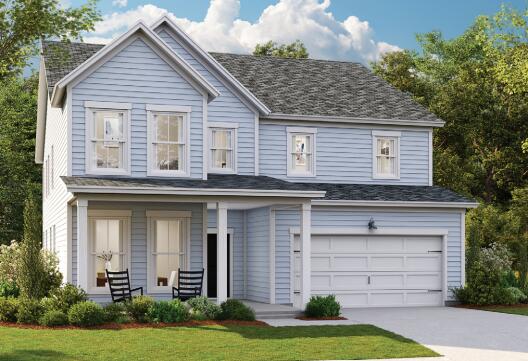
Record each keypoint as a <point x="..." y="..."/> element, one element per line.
<point x="458" y="334"/>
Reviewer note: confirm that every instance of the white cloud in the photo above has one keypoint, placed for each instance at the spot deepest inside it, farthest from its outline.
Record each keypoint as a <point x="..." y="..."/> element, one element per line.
<point x="288" y="20"/>
<point x="120" y="3"/>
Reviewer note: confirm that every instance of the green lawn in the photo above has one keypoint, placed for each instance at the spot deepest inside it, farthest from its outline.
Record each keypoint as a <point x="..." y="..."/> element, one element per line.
<point x="208" y="343"/>
<point x="515" y="310"/>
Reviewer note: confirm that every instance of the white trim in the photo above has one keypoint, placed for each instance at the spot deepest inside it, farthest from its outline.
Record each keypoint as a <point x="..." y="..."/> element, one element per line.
<point x="186" y="123"/>
<point x="430" y="158"/>
<point x="69" y="122"/>
<point x="99" y="58"/>
<point x="82" y="243"/>
<point x="221" y="252"/>
<point x="152" y="215"/>
<point x="88" y="142"/>
<point x="272" y="260"/>
<point x="42" y="110"/>
<point x="107" y="105"/>
<point x="257" y="144"/>
<point x="69" y="244"/>
<point x="391" y="135"/>
<point x="230" y="233"/>
<point x="312" y="133"/>
<point x="244" y="255"/>
<point x="322" y="118"/>
<point x="211" y="62"/>
<point x="168" y="108"/>
<point x="205" y="223"/>
<point x="234" y="147"/>
<point x="205" y="139"/>
<point x="122" y="215"/>
<point x="410" y="204"/>
<point x="463" y="248"/>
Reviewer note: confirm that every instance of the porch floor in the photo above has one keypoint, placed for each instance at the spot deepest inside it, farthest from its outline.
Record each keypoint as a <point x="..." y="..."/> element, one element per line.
<point x="268" y="311"/>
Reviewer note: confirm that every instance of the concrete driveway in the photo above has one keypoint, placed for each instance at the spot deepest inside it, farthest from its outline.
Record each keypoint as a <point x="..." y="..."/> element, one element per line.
<point x="459" y="334"/>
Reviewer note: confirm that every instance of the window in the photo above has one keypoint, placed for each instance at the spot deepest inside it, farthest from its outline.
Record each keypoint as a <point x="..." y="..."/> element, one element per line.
<point x="108" y="244"/>
<point x="169" y="237"/>
<point x="386" y="149"/>
<point x="222" y="143"/>
<point x="301" y="152"/>
<point x="169" y="141"/>
<point x="108" y="138"/>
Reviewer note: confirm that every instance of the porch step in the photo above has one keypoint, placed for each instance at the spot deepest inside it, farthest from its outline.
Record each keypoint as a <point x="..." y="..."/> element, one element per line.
<point x="268" y="315"/>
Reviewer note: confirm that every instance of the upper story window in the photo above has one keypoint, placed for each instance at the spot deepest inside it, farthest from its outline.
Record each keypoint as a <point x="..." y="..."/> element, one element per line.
<point x="386" y="154"/>
<point x="168" y="152"/>
<point x="223" y="147"/>
<point x="108" y="140"/>
<point x="301" y="152"/>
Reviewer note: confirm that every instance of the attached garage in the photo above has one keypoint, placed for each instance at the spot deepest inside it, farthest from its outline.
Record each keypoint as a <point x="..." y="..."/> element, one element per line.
<point x="376" y="270"/>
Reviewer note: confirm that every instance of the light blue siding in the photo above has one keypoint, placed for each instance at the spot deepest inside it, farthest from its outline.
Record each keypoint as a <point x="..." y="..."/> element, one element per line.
<point x="235" y="220"/>
<point x="225" y="108"/>
<point x="344" y="155"/>
<point x="343" y="217"/>
<point x="139" y="76"/>
<point x="258" y="250"/>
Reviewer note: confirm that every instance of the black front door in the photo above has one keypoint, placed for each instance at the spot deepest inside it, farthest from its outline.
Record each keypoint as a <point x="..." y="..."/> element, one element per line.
<point x="211" y="265"/>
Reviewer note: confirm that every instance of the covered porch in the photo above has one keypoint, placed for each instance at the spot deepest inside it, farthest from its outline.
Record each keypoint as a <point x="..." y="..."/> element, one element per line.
<point x="154" y="228"/>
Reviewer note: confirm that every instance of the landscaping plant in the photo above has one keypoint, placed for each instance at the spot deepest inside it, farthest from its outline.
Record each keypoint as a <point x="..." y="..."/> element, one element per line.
<point x="116" y="312"/>
<point x="168" y="312"/>
<point x="63" y="298"/>
<point x="86" y="313"/>
<point x="322" y="306"/>
<point x="236" y="310"/>
<point x="139" y="307"/>
<point x="29" y="311"/>
<point x="8" y="309"/>
<point x="52" y="318"/>
<point x="9" y="289"/>
<point x="203" y="309"/>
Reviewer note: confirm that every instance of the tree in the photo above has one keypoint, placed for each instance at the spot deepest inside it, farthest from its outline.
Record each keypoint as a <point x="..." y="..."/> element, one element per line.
<point x="295" y="50"/>
<point x="24" y="22"/>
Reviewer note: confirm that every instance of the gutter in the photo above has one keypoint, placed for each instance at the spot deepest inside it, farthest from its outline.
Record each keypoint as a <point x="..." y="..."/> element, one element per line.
<point x="409" y="204"/>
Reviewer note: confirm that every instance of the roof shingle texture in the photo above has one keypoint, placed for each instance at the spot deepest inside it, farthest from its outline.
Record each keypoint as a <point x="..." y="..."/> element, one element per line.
<point x="287" y="86"/>
<point x="356" y="192"/>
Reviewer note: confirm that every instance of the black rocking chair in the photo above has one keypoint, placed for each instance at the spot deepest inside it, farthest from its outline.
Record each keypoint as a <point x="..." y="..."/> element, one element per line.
<point x="119" y="283"/>
<point x="189" y="284"/>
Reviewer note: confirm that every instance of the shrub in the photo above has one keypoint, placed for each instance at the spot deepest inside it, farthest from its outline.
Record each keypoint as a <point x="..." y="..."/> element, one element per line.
<point x="9" y="255"/>
<point x="512" y="296"/>
<point x="8" y="309"/>
<point x="116" y="312"/>
<point x="168" y="312"/>
<point x="65" y="297"/>
<point x="203" y="309"/>
<point x="236" y="310"/>
<point x="139" y="307"/>
<point x="53" y="318"/>
<point x="9" y="289"/>
<point x="86" y="313"/>
<point x="323" y="306"/>
<point x="29" y="311"/>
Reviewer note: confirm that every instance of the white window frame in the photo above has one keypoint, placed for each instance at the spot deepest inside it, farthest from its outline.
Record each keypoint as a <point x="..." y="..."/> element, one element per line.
<point x="123" y="215"/>
<point x="312" y="132"/>
<point x="233" y="127"/>
<point x="90" y="108"/>
<point x="152" y="216"/>
<point x="392" y="135"/>
<point x="184" y="111"/>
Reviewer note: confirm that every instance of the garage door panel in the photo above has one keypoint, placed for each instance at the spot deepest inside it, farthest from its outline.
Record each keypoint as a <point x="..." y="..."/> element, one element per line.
<point x="387" y="262"/>
<point x="422" y="244"/>
<point x="423" y="263"/>
<point x="344" y="282"/>
<point x="424" y="281"/>
<point x="387" y="299"/>
<point x="322" y="282"/>
<point x="321" y="263"/>
<point x="352" y="299"/>
<point x="321" y="244"/>
<point x="387" y="281"/>
<point x="350" y="263"/>
<point x="424" y="298"/>
<point x="386" y="244"/>
<point x="349" y="244"/>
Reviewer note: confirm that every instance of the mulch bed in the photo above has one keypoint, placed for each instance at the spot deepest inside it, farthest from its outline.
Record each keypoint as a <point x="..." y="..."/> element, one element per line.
<point x="123" y="326"/>
<point x="338" y="318"/>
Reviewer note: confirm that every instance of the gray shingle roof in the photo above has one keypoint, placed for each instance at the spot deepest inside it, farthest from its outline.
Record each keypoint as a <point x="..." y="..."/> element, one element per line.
<point x="286" y="86"/>
<point x="356" y="192"/>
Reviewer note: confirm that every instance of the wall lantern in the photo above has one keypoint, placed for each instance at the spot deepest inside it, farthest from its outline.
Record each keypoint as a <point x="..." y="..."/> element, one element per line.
<point x="372" y="224"/>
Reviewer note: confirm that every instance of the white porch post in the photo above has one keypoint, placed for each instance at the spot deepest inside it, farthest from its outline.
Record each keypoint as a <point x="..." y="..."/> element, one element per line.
<point x="306" y="267"/>
<point x="221" y="252"/>
<point x="82" y="243"/>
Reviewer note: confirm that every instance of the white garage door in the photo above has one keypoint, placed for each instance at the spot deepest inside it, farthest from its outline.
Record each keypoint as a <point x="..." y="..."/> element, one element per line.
<point x="370" y="271"/>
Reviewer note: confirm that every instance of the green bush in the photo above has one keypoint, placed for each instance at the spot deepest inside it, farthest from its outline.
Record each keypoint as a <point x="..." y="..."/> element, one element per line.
<point x="236" y="310"/>
<point x="9" y="289"/>
<point x="116" y="312"/>
<point x="203" y="309"/>
<point x="513" y="296"/>
<point x="29" y="311"/>
<point x="53" y="318"/>
<point x="323" y="306"/>
<point x="86" y="313"/>
<point x="9" y="255"/>
<point x="8" y="309"/>
<point x="139" y="307"/>
<point x="168" y="312"/>
<point x="65" y="297"/>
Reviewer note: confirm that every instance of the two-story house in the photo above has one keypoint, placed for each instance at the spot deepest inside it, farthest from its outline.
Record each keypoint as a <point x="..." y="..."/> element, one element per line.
<point x="282" y="178"/>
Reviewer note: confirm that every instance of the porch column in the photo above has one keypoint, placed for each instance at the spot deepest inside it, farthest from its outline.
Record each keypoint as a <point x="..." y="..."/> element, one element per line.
<point x="221" y="252"/>
<point x="306" y="267"/>
<point x="82" y="243"/>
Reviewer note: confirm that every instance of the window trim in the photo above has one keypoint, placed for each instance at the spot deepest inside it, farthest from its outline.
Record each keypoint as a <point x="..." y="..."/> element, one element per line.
<point x="395" y="135"/>
<point x="233" y="127"/>
<point x="186" y="112"/>
<point x="290" y="132"/>
<point x="153" y="215"/>
<point x="126" y="216"/>
<point x="90" y="108"/>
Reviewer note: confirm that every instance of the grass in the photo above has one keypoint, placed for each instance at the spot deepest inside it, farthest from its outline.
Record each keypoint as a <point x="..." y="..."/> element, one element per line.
<point x="514" y="310"/>
<point x="208" y="343"/>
